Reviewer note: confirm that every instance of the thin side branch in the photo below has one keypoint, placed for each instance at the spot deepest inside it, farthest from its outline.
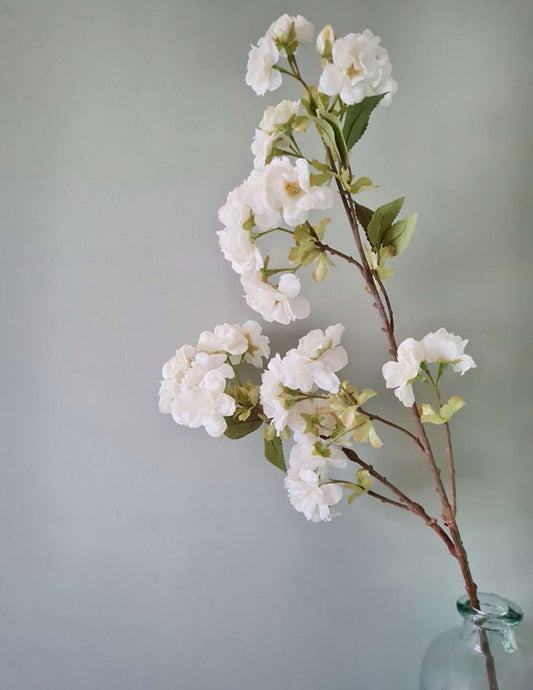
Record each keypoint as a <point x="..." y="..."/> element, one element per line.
<point x="411" y="505"/>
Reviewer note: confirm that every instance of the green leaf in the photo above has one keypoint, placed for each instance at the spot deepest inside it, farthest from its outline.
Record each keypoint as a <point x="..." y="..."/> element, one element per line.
<point x="319" y="179"/>
<point x="335" y="123"/>
<point x="274" y="453"/>
<point x="301" y="123"/>
<point x="323" y="167"/>
<point x="364" y="215"/>
<point x="357" y="117"/>
<point x="328" y="137"/>
<point x="382" y="219"/>
<point x="238" y="429"/>
<point x="399" y="234"/>
<point x="361" y="184"/>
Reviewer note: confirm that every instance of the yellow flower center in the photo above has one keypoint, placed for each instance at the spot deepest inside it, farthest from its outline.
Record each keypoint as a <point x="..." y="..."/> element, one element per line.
<point x="292" y="188"/>
<point x="352" y="72"/>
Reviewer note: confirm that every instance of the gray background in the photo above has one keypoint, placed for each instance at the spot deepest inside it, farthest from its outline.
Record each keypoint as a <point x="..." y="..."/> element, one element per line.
<point x="137" y="554"/>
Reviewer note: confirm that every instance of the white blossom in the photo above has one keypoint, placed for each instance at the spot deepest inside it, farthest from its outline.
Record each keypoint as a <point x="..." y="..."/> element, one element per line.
<point x="282" y="304"/>
<point x="310" y="498"/>
<point x="315" y="360"/>
<point x="270" y="131"/>
<point x="272" y="395"/>
<point x="303" y="456"/>
<point x="279" y="30"/>
<point x="258" y="344"/>
<point x="401" y="373"/>
<point x="194" y="394"/>
<point x="324" y="44"/>
<point x="317" y="408"/>
<point x="235" y="241"/>
<point x="261" y="75"/>
<point x="288" y="189"/>
<point x="360" y="67"/>
<point x="442" y="346"/>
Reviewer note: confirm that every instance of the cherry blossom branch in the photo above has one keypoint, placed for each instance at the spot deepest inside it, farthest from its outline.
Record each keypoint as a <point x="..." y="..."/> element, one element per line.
<point x="342" y="255"/>
<point x="377" y="418"/>
<point x="384" y="499"/>
<point x="411" y="505"/>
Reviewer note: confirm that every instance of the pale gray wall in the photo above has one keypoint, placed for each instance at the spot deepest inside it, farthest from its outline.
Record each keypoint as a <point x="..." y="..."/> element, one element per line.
<point x="139" y="555"/>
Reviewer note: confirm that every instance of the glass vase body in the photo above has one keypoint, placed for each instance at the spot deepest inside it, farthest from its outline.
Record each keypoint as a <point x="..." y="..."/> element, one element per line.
<point x="456" y="660"/>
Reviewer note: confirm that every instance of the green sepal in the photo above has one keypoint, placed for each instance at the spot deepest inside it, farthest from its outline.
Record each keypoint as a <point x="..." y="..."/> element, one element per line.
<point x="356" y="120"/>
<point x="274" y="453"/>
<point x="237" y="429"/>
<point x="382" y="219"/>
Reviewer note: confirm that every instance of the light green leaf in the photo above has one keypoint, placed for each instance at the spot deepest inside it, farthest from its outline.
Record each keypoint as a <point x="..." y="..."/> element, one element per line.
<point x="238" y="429"/>
<point x="361" y="184"/>
<point x="328" y="137"/>
<point x="274" y="453"/>
<point x="356" y="120"/>
<point x="301" y="123"/>
<point x="429" y="415"/>
<point x="320" y="228"/>
<point x="339" y="137"/>
<point x="364" y="479"/>
<point x="382" y="219"/>
<point x="399" y="234"/>
<point x="319" y="179"/>
<point x="323" y="167"/>
<point x="454" y="404"/>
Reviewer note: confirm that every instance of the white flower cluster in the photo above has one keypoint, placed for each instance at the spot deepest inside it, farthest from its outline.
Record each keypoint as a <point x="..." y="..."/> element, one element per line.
<point x="354" y="66"/>
<point x="272" y="194"/>
<point x="261" y="74"/>
<point x="307" y="483"/>
<point x="439" y="347"/>
<point x="270" y="131"/>
<point x="359" y="67"/>
<point x="193" y="389"/>
<point x="287" y="398"/>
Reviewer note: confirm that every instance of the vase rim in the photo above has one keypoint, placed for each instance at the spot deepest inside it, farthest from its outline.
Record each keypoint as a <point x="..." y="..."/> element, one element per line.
<point x="494" y="609"/>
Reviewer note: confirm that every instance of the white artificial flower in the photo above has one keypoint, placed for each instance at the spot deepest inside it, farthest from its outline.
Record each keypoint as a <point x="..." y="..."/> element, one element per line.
<point x="269" y="131"/>
<point x="235" y="242"/>
<point x="324" y="44"/>
<point x="303" y="456"/>
<point x="401" y="373"/>
<point x="281" y="304"/>
<point x="238" y="248"/>
<point x="279" y="30"/>
<point x="310" y="498"/>
<point x="261" y="75"/>
<point x="288" y="188"/>
<point x="272" y="395"/>
<point x="266" y="214"/>
<point x="225" y="338"/>
<point x="258" y="344"/>
<point x="447" y="347"/>
<point x="173" y="373"/>
<point x="197" y="396"/>
<point x="360" y="67"/>
<point x="315" y="360"/>
<point x="317" y="408"/>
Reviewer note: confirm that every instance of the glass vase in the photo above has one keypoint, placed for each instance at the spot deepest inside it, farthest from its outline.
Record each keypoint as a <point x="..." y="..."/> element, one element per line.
<point x="482" y="654"/>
